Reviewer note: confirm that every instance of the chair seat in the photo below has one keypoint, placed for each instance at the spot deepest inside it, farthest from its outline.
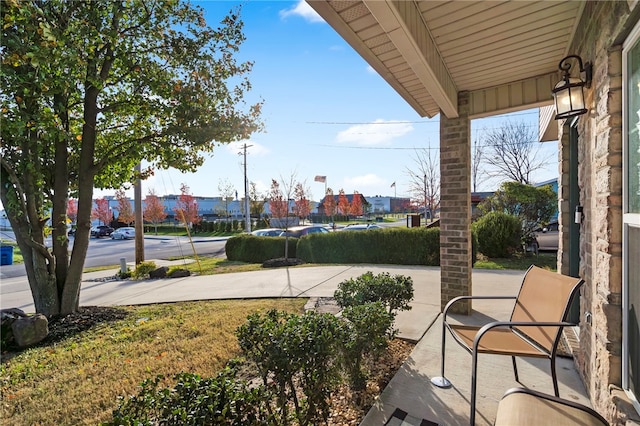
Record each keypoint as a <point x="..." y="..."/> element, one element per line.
<point x="501" y="341"/>
<point x="525" y="409"/>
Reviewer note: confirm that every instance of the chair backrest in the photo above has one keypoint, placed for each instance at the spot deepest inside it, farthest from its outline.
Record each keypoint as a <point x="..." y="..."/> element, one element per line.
<point x="544" y="297"/>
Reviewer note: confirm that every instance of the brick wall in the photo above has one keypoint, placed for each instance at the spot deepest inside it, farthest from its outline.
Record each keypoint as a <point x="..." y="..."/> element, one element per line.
<point x="455" y="206"/>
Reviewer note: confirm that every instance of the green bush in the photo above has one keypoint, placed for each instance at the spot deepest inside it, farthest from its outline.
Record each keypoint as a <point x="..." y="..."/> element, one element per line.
<point x="143" y="269"/>
<point x="401" y="246"/>
<point x="367" y="331"/>
<point x="289" y="349"/>
<point x="498" y="234"/>
<point x="253" y="249"/>
<point x="394" y="293"/>
<point x="222" y="400"/>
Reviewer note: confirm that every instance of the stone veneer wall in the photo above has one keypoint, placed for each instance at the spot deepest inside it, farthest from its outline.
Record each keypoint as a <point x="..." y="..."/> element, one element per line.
<point x="598" y="39"/>
<point x="455" y="206"/>
<point x="564" y="211"/>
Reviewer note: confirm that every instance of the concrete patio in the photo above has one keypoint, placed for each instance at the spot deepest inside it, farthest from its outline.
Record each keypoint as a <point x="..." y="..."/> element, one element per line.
<point x="410" y="390"/>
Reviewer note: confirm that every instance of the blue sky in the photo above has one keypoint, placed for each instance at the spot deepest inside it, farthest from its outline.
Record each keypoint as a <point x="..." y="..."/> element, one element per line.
<point x="326" y="112"/>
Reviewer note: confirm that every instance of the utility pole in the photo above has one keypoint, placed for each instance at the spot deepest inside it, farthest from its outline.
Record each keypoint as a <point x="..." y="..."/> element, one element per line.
<point x="137" y="203"/>
<point x="247" y="211"/>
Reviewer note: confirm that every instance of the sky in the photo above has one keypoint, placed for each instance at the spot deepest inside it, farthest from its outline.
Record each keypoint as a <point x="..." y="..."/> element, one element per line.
<point x="326" y="112"/>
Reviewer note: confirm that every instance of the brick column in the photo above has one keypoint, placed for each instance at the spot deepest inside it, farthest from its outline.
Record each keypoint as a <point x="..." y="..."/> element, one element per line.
<point x="455" y="206"/>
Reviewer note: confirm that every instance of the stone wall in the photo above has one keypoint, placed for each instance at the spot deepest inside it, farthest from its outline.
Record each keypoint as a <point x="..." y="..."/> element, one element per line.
<point x="455" y="206"/>
<point x="598" y="39"/>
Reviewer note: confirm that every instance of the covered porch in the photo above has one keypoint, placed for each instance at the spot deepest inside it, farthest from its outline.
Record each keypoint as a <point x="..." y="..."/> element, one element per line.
<point x="411" y="391"/>
<point x="472" y="59"/>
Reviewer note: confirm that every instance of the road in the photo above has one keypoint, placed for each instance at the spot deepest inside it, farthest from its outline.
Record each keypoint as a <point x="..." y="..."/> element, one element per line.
<point x="105" y="251"/>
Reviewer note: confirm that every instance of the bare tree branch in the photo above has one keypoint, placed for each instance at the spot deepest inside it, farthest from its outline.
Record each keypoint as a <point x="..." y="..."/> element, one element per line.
<point x="514" y="152"/>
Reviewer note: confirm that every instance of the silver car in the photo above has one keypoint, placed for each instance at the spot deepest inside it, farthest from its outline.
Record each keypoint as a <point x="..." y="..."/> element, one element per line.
<point x="548" y="237"/>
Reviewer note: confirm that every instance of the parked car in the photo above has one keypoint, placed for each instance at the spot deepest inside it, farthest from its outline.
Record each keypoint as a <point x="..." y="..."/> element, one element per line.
<point x="268" y="232"/>
<point x="548" y="237"/>
<point x="101" y="231"/>
<point x="301" y="231"/>
<point x="124" y="233"/>
<point x="361" y="227"/>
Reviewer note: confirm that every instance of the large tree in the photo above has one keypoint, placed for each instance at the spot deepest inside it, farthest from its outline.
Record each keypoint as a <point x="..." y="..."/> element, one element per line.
<point x="424" y="180"/>
<point x="89" y="90"/>
<point x="513" y="152"/>
<point x="533" y="205"/>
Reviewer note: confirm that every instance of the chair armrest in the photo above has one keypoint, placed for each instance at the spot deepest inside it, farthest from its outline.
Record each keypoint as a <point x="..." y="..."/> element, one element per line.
<point x="510" y="324"/>
<point x="459" y="298"/>
<point x="594" y="415"/>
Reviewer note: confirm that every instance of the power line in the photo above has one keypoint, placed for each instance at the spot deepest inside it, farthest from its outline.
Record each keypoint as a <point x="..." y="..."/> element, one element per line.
<point x="351" y="123"/>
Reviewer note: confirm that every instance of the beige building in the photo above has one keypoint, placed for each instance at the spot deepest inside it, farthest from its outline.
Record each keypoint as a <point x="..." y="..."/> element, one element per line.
<point x="471" y="59"/>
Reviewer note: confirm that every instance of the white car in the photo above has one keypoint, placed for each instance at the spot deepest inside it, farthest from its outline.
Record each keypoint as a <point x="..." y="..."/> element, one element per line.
<point x="124" y="233"/>
<point x="268" y="232"/>
<point x="361" y="227"/>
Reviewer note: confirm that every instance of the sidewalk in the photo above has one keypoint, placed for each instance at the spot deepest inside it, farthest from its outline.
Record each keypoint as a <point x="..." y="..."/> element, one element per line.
<point x="410" y="390"/>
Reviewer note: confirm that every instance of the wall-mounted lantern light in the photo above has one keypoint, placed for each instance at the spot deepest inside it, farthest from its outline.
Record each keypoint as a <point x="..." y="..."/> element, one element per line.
<point x="568" y="94"/>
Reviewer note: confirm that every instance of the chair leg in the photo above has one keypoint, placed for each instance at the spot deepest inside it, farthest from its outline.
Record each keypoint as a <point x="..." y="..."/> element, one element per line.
<point x="474" y="366"/>
<point x="442" y="381"/>
<point x="554" y="376"/>
<point x="515" y="369"/>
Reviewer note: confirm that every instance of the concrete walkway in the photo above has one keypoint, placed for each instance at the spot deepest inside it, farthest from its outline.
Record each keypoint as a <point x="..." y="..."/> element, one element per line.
<point x="410" y="390"/>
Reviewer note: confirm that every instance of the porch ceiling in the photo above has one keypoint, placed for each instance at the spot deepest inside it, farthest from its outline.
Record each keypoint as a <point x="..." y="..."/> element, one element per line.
<point x="505" y="53"/>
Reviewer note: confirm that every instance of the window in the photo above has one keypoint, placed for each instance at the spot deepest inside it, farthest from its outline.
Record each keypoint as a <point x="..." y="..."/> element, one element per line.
<point x="631" y="217"/>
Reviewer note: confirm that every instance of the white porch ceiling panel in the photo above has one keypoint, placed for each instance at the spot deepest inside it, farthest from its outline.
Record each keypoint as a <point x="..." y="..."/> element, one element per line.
<point x="505" y="53"/>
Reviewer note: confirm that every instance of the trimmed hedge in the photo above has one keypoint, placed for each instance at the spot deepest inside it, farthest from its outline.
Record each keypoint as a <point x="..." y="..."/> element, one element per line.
<point x="401" y="246"/>
<point x="253" y="249"/>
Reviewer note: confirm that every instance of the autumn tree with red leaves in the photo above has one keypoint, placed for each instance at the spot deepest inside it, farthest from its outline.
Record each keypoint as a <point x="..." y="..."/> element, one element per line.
<point x="329" y="203"/>
<point x="356" y="204"/>
<point x="302" y="206"/>
<point x="72" y="210"/>
<point x="124" y="208"/>
<point x="101" y="211"/>
<point x="186" y="208"/>
<point x="153" y="211"/>
<point x="278" y="202"/>
<point x="343" y="203"/>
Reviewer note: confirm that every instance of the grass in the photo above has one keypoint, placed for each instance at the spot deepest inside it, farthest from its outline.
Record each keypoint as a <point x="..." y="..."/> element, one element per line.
<point x="519" y="262"/>
<point x="77" y="381"/>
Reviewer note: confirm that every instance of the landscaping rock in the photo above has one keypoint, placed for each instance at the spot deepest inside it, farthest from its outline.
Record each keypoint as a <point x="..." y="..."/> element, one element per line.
<point x="29" y="330"/>
<point x="179" y="273"/>
<point x="160" y="272"/>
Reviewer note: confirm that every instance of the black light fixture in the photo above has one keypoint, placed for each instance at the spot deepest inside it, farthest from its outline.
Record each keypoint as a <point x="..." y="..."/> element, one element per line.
<point x="568" y="94"/>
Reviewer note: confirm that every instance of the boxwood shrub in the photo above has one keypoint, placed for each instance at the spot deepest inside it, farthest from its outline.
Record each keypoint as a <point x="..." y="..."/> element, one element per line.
<point x="253" y="249"/>
<point x="498" y="234"/>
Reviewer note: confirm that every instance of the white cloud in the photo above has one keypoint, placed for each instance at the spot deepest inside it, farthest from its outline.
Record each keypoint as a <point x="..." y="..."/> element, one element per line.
<point x="302" y="9"/>
<point x="362" y="183"/>
<point x="380" y="132"/>
<point x="370" y="70"/>
<point x="253" y="148"/>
